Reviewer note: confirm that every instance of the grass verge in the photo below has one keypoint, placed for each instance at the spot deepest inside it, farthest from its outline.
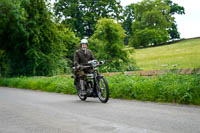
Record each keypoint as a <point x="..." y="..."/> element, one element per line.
<point x="183" y="54"/>
<point x="173" y="88"/>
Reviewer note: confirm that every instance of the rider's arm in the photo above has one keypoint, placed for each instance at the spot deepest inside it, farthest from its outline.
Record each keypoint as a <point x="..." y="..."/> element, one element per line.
<point x="76" y="59"/>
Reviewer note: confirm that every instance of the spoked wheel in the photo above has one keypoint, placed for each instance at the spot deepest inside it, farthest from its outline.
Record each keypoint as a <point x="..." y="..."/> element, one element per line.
<point x="102" y="90"/>
<point x="83" y="98"/>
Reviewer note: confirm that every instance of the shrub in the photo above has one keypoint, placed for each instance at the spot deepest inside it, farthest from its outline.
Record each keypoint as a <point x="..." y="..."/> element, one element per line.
<point x="108" y="44"/>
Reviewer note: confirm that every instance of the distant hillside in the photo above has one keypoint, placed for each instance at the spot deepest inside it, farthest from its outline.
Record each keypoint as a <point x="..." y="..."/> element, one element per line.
<point x="182" y="54"/>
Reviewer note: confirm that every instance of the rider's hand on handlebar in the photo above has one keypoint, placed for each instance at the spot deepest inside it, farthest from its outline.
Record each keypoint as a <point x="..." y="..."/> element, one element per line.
<point x="78" y="66"/>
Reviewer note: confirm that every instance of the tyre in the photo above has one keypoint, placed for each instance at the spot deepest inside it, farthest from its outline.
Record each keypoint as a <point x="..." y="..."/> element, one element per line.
<point x="102" y="89"/>
<point x="78" y="88"/>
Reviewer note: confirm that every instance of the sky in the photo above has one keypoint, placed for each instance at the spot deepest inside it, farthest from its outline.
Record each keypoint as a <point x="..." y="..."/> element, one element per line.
<point x="189" y="23"/>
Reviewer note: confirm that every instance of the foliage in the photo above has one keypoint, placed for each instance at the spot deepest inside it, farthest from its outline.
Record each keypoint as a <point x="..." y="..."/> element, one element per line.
<point x="32" y="43"/>
<point x="165" y="88"/>
<point x="70" y="41"/>
<point x="45" y="44"/>
<point x="12" y="31"/>
<point x="128" y="20"/>
<point x="82" y="15"/>
<point x="49" y="84"/>
<point x="170" y="87"/>
<point x="174" y="9"/>
<point x="2" y="61"/>
<point x="148" y="36"/>
<point x="108" y="42"/>
<point x="152" y="18"/>
<point x="128" y="14"/>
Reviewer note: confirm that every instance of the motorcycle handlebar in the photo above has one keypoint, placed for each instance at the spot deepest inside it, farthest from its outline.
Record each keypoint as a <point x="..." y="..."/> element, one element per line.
<point x="88" y="65"/>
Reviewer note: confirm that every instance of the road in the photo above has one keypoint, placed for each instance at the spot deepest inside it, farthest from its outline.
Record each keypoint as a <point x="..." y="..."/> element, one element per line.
<point x="27" y="111"/>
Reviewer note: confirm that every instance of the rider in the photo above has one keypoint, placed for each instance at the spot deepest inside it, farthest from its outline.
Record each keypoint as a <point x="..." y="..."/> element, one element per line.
<point x="82" y="56"/>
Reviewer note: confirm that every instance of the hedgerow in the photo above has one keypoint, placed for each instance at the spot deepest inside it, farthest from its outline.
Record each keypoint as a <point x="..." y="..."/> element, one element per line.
<point x="173" y="88"/>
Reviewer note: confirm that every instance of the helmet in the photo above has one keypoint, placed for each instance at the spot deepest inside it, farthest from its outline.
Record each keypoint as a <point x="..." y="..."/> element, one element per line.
<point x="84" y="41"/>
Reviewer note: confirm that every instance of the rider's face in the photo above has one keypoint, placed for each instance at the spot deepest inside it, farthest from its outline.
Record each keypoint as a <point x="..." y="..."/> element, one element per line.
<point x="84" y="45"/>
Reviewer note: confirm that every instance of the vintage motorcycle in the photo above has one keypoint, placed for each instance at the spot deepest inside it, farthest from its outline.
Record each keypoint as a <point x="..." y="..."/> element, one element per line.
<point x="95" y="83"/>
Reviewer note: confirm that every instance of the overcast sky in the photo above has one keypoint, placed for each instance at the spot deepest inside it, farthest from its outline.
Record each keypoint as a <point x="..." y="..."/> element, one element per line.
<point x="188" y="24"/>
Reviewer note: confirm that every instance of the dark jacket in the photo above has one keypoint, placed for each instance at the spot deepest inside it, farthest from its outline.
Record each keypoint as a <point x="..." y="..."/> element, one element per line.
<point x="81" y="58"/>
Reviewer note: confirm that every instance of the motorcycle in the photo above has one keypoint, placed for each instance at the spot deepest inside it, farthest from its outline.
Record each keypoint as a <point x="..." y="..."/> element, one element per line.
<point x="95" y="84"/>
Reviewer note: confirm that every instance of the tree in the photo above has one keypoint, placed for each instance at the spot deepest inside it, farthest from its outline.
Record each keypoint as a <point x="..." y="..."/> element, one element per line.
<point x="108" y="41"/>
<point x="172" y="30"/>
<point x="174" y="9"/>
<point x="31" y="42"/>
<point x="128" y="20"/>
<point x="152" y="19"/>
<point x="13" y="36"/>
<point x="82" y="15"/>
<point x="70" y="41"/>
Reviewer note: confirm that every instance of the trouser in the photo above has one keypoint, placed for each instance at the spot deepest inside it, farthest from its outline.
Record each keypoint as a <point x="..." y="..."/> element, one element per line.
<point x="79" y="79"/>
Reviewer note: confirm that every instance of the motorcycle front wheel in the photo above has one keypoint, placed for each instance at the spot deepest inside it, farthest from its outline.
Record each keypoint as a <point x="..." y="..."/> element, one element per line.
<point x="102" y="89"/>
<point x="78" y="88"/>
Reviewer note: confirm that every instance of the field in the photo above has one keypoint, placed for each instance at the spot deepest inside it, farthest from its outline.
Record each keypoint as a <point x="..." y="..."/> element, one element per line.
<point x="183" y="54"/>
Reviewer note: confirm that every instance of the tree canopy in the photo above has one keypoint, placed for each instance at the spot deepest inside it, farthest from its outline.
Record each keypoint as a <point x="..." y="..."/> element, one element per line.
<point x="82" y="15"/>
<point x="128" y="20"/>
<point x="152" y="19"/>
<point x="172" y="30"/>
<point x="108" y="42"/>
<point x="31" y="42"/>
<point x="174" y="9"/>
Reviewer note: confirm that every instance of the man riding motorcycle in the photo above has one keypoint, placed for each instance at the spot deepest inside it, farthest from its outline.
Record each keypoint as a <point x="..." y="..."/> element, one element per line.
<point x="82" y="56"/>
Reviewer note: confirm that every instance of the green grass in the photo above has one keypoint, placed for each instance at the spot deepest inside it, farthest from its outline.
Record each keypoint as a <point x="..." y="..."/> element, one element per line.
<point x="57" y="84"/>
<point x="171" y="88"/>
<point x="183" y="54"/>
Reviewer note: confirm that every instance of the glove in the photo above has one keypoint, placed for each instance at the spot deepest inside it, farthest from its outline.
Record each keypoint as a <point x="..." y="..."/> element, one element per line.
<point x="78" y="67"/>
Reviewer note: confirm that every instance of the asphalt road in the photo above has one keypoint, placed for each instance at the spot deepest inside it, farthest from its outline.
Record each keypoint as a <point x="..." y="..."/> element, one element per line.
<point x="26" y="111"/>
